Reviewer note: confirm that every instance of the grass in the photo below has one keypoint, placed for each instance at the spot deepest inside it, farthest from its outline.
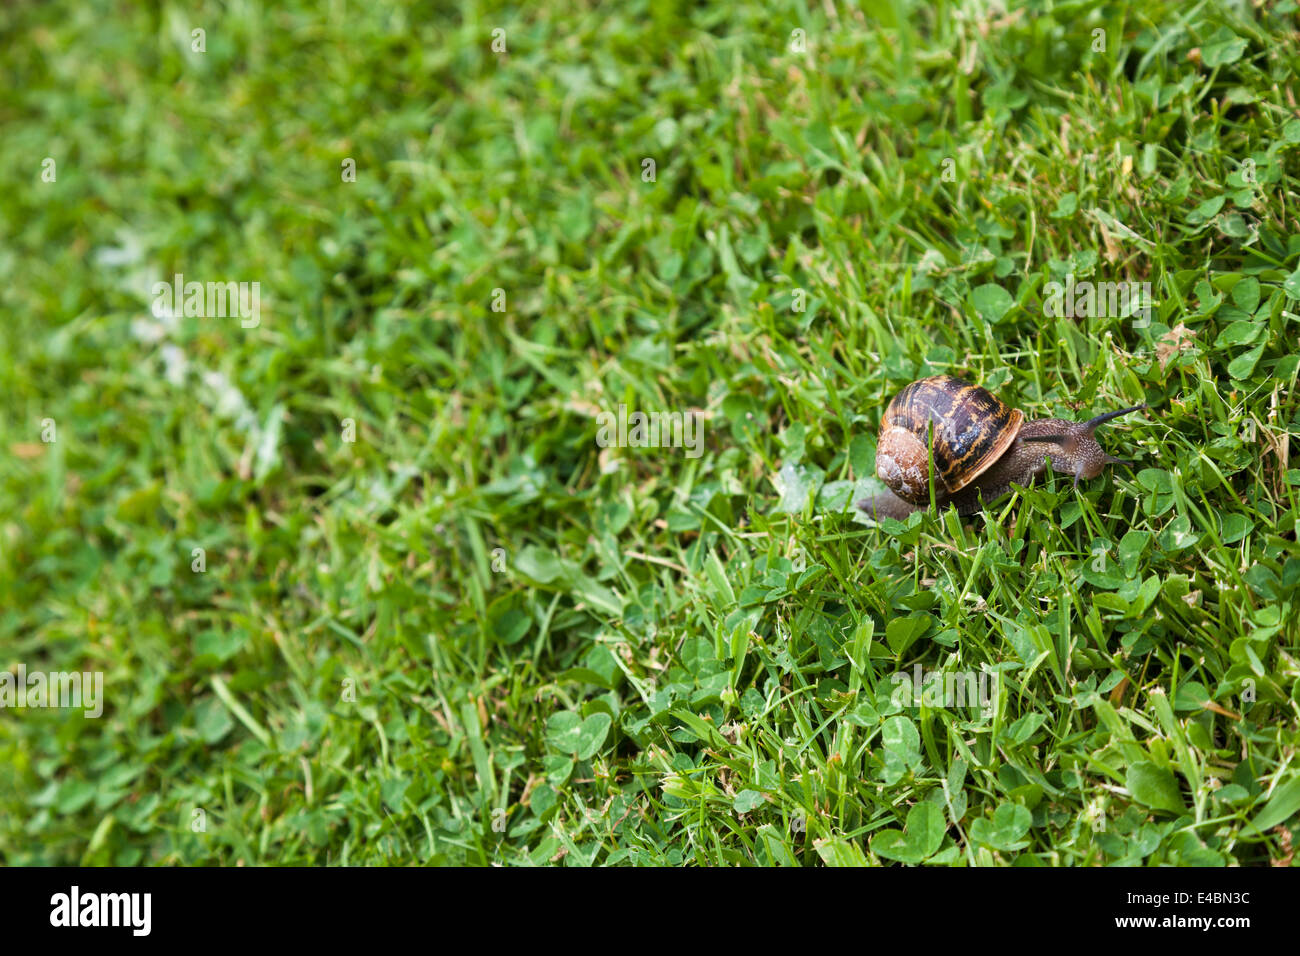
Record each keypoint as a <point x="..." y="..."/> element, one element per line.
<point x="475" y="636"/>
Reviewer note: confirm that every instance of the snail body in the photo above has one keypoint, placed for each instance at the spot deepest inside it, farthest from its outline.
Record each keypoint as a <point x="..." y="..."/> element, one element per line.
<point x="981" y="447"/>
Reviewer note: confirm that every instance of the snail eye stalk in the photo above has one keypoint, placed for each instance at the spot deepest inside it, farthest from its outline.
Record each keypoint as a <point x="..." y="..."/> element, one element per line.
<point x="1091" y="424"/>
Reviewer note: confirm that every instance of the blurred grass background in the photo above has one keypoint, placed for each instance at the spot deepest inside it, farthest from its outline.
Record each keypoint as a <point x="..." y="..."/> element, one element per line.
<point x="473" y="635"/>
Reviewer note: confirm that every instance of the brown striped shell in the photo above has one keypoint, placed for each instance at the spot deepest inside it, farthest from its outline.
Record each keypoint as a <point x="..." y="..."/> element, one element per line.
<point x="972" y="430"/>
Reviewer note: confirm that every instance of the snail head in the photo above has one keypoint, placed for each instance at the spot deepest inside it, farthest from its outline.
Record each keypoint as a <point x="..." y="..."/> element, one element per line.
<point x="1079" y="454"/>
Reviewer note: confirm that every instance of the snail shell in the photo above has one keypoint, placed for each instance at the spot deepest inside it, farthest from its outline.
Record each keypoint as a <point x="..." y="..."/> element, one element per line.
<point x="972" y="429"/>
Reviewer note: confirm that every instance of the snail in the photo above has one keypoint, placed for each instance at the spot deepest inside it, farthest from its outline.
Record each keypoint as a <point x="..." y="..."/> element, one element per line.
<point x="981" y="446"/>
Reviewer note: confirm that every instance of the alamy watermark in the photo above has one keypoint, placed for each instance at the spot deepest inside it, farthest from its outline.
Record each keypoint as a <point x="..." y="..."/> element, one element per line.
<point x="652" y="430"/>
<point x="74" y="689"/>
<point x="1088" y="300"/>
<point x="209" y="300"/>
<point x="947" y="690"/>
<point x="130" y="910"/>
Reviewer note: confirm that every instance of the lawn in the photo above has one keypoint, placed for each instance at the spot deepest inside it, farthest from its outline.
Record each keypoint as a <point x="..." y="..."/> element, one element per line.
<point x="379" y="572"/>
